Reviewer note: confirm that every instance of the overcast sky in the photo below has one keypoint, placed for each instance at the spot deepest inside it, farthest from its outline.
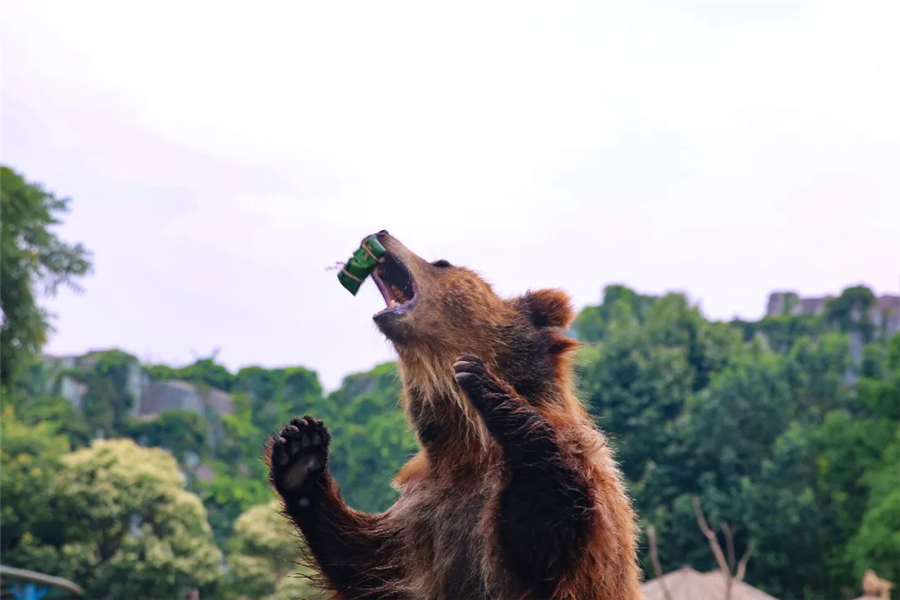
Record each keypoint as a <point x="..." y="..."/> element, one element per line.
<point x="220" y="155"/>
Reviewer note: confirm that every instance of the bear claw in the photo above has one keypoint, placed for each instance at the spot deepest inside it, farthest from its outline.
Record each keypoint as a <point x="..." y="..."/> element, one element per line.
<point x="475" y="380"/>
<point x="299" y="450"/>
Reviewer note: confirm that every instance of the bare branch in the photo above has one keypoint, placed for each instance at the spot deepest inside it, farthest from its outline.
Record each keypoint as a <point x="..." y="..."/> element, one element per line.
<point x="729" y="544"/>
<point x="711" y="536"/>
<point x="654" y="559"/>
<point x="742" y="566"/>
<point x="714" y="546"/>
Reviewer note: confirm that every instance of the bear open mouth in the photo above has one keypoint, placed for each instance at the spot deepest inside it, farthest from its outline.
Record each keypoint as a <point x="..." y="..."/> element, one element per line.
<point x="396" y="283"/>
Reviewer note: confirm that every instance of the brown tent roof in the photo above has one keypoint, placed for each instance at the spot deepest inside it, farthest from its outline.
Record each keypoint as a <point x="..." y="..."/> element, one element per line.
<point x="688" y="584"/>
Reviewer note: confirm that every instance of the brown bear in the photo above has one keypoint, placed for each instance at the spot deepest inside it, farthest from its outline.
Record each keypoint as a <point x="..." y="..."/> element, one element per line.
<point x="514" y="494"/>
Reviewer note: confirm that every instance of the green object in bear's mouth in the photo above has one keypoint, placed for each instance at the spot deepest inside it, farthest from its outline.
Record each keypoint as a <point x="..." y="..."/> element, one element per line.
<point x="361" y="264"/>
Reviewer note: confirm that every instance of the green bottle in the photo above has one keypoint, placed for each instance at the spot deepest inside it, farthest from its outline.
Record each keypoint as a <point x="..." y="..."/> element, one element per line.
<point x="361" y="264"/>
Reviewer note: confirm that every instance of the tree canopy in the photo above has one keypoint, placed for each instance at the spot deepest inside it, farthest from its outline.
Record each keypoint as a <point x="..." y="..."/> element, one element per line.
<point x="35" y="262"/>
<point x="119" y="521"/>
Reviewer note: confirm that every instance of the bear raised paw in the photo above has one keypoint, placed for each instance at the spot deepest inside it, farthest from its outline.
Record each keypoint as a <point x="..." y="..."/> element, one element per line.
<point x="514" y="492"/>
<point x="298" y="455"/>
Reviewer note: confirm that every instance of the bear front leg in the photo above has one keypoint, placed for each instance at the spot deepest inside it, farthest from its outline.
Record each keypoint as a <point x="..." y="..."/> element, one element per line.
<point x="544" y="511"/>
<point x="350" y="548"/>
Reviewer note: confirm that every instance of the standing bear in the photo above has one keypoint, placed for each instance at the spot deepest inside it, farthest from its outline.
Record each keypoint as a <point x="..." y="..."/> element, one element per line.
<point x="514" y="494"/>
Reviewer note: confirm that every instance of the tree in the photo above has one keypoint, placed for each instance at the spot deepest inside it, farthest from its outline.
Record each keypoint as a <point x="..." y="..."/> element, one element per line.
<point x="733" y="571"/>
<point x="205" y="371"/>
<point x="30" y="457"/>
<point x="876" y="542"/>
<point x="768" y="430"/>
<point x="846" y="447"/>
<point x="279" y="394"/>
<point x="59" y="415"/>
<point x="240" y="477"/>
<point x="618" y="301"/>
<point x="177" y="431"/>
<point x="876" y="545"/>
<point x="108" y="401"/>
<point x="125" y="525"/>
<point x="34" y="261"/>
<point x="371" y="439"/>
<point x="850" y="311"/>
<point x="263" y="557"/>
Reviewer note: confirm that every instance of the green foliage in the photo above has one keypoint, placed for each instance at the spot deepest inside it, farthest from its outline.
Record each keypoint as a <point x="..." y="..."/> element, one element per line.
<point x="847" y="446"/>
<point x="877" y="542"/>
<point x="108" y="401"/>
<point x="230" y="493"/>
<point x="34" y="261"/>
<point x="816" y="371"/>
<point x="263" y="400"/>
<point x="783" y="331"/>
<point x="371" y="442"/>
<point x="118" y="521"/>
<point x="771" y="432"/>
<point x="263" y="556"/>
<point x="58" y="415"/>
<point x="850" y="311"/>
<point x="278" y="394"/>
<point x="371" y="439"/>
<point x="882" y="396"/>
<point x="29" y="456"/>
<point x="177" y="431"/>
<point x="618" y="302"/>
<point x="205" y="371"/>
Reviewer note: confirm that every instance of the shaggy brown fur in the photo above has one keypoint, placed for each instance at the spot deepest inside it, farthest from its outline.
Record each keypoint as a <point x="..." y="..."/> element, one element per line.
<point x="515" y="493"/>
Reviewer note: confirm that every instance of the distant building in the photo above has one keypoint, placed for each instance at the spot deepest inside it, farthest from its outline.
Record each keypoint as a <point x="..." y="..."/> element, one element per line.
<point x="789" y="303"/>
<point x="51" y="381"/>
<point x="72" y="390"/>
<point x="136" y="383"/>
<point x="209" y="403"/>
<point x="884" y="314"/>
<point x="149" y="398"/>
<point x="161" y="396"/>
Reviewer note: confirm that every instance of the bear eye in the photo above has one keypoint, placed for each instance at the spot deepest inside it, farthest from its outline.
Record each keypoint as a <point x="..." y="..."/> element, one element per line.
<point x="441" y="264"/>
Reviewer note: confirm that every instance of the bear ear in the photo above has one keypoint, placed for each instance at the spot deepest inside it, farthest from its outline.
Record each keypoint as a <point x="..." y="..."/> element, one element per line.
<point x="549" y="308"/>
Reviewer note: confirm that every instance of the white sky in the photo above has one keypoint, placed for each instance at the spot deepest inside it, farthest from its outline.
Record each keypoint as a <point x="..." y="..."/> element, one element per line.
<point x="221" y="154"/>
